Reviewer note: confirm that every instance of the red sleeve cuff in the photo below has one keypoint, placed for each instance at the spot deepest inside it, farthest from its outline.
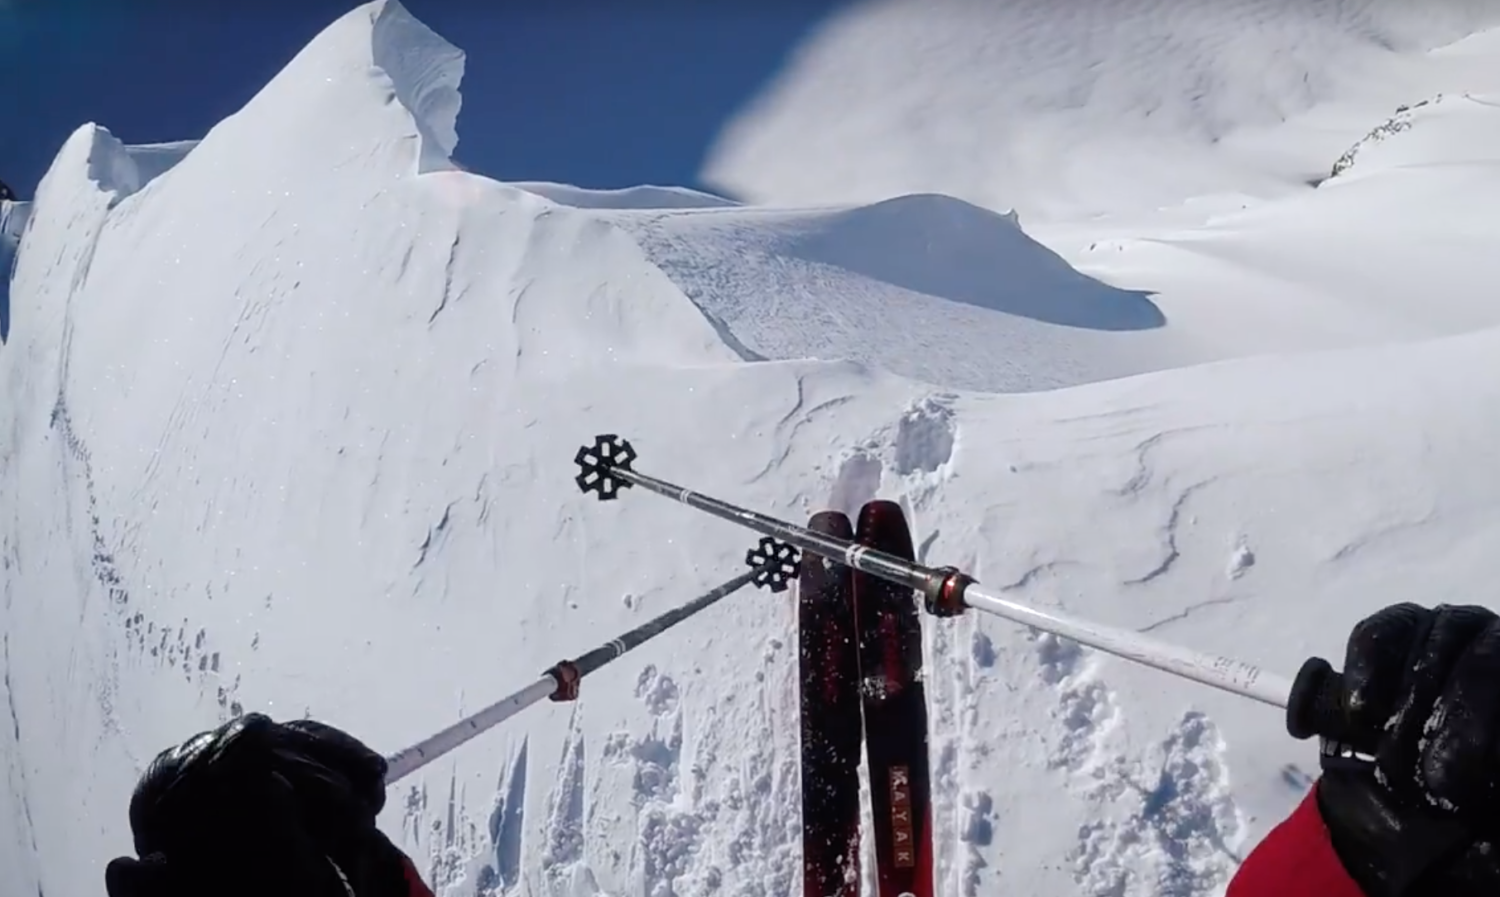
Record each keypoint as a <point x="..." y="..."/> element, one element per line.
<point x="1295" y="860"/>
<point x="415" y="887"/>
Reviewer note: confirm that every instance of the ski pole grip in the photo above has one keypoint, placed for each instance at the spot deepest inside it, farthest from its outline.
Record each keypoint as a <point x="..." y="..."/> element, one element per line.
<point x="1316" y="704"/>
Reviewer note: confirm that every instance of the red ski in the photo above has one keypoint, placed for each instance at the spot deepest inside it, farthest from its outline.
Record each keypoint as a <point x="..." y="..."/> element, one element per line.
<point x="828" y="656"/>
<point x="895" y="711"/>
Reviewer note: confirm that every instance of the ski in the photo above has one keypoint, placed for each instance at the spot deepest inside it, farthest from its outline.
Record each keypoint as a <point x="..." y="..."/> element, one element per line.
<point x="895" y="710"/>
<point x="828" y="660"/>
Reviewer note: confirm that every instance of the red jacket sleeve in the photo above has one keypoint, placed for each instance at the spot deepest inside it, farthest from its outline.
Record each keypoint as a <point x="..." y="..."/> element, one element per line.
<point x="1295" y="860"/>
<point x="415" y="887"/>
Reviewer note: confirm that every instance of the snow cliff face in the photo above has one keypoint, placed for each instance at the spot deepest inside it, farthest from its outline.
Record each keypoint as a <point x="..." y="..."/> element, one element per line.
<point x="289" y="419"/>
<point x="13" y="218"/>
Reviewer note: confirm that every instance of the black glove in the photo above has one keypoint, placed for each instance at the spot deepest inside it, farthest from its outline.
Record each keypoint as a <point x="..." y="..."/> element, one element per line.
<point x="256" y="808"/>
<point x="1423" y="687"/>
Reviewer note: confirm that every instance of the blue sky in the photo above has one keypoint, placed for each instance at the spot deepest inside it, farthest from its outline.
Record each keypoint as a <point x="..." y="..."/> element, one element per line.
<point x="599" y="93"/>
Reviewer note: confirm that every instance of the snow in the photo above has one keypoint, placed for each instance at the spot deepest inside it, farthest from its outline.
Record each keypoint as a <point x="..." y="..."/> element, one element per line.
<point x="1028" y="105"/>
<point x="13" y="218"/>
<point x="644" y="197"/>
<point x="290" y="415"/>
<point x="152" y="160"/>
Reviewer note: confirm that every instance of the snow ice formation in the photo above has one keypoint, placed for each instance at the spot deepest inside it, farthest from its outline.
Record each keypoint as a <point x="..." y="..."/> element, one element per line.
<point x="290" y="413"/>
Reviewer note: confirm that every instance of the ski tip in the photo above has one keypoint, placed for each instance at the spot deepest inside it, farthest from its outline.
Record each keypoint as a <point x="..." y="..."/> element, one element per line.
<point x="882" y="524"/>
<point x="882" y="508"/>
<point x="818" y="575"/>
<point x="832" y="523"/>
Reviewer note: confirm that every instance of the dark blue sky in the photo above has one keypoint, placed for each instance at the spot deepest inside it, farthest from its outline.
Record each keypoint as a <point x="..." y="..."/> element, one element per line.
<point x="599" y="93"/>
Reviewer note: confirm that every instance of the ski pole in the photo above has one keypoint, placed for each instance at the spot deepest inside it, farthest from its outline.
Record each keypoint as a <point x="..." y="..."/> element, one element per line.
<point x="1312" y="701"/>
<point x="772" y="565"/>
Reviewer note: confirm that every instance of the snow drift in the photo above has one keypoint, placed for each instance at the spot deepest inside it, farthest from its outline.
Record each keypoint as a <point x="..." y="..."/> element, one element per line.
<point x="289" y="426"/>
<point x="954" y="295"/>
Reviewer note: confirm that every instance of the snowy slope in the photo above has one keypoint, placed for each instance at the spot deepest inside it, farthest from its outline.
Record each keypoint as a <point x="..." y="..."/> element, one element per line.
<point x="289" y="425"/>
<point x="1394" y="248"/>
<point x="1043" y="108"/>
<point x="960" y="296"/>
<point x="1392" y="244"/>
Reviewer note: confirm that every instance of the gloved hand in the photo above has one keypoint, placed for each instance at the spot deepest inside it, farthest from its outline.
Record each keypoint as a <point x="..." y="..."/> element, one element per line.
<point x="1424" y="685"/>
<point x="256" y="808"/>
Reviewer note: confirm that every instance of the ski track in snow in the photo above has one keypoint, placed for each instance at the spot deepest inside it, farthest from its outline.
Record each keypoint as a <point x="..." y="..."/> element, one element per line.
<point x="182" y="647"/>
<point x="19" y="785"/>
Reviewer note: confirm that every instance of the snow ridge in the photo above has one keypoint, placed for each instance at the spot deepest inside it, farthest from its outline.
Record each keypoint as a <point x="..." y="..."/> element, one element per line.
<point x="152" y="160"/>
<point x="425" y="71"/>
<point x="640" y="197"/>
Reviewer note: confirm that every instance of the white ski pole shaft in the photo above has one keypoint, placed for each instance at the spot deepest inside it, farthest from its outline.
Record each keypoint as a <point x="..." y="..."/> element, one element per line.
<point x="607" y="468"/>
<point x="408" y="760"/>
<point x="771" y="566"/>
<point x="1234" y="676"/>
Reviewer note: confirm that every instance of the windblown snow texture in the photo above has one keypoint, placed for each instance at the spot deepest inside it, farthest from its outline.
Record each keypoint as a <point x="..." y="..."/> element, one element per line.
<point x="305" y="447"/>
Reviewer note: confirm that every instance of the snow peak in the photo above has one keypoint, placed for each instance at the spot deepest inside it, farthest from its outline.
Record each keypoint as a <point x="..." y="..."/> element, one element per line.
<point x="901" y="831"/>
